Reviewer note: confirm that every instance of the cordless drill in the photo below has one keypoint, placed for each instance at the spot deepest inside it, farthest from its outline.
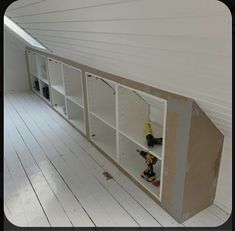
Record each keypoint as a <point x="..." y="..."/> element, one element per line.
<point x="151" y="141"/>
<point x="148" y="174"/>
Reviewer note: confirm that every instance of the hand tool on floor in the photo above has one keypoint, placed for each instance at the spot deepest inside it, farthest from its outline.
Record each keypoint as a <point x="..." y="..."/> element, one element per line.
<point x="148" y="174"/>
<point x="151" y="140"/>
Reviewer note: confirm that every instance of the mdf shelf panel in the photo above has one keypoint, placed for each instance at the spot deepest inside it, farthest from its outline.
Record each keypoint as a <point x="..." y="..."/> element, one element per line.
<point x="135" y="164"/>
<point x="73" y="83"/>
<point x="76" y="115"/>
<point x="103" y="136"/>
<point x="101" y="98"/>
<point x="58" y="102"/>
<point x="55" y="72"/>
<point x="59" y="88"/>
<point x="131" y="122"/>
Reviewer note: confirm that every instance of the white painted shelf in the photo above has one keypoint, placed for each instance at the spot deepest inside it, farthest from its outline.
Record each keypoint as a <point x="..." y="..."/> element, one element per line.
<point x="59" y="88"/>
<point x="76" y="99"/>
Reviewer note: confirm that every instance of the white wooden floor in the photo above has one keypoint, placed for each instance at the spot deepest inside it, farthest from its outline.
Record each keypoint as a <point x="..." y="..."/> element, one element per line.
<point x="54" y="177"/>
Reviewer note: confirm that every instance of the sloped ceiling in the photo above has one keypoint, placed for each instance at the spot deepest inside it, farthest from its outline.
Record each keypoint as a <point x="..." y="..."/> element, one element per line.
<point x="182" y="46"/>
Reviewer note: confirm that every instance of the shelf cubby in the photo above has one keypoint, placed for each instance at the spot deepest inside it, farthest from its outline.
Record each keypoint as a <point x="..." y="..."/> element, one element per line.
<point x="56" y="78"/>
<point x="58" y="101"/>
<point x="32" y="63"/>
<point x="35" y="84"/>
<point x="135" y="164"/>
<point x="103" y="136"/>
<point x="101" y="98"/>
<point x="41" y="68"/>
<point x="143" y="108"/>
<point x="45" y="90"/>
<point x="73" y="84"/>
<point x="76" y="115"/>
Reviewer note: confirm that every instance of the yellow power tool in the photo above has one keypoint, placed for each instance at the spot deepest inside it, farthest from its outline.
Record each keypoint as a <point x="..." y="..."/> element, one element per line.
<point x="148" y="174"/>
<point x="151" y="141"/>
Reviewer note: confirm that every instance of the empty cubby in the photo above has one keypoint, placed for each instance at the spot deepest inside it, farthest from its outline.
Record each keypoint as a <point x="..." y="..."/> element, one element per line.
<point x="134" y="163"/>
<point x="134" y="110"/>
<point x="73" y="84"/>
<point x="76" y="115"/>
<point x="32" y="63"/>
<point x="58" y="101"/>
<point x="101" y="98"/>
<point x="41" y="67"/>
<point x="56" y="78"/>
<point x="103" y="136"/>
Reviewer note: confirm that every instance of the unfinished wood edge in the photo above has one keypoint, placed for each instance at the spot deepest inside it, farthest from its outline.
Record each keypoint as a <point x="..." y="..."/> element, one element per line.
<point x="118" y="79"/>
<point x="197" y="153"/>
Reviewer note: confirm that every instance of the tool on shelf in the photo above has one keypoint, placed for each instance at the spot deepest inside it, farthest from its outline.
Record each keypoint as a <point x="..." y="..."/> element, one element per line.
<point x="151" y="140"/>
<point x="45" y="91"/>
<point x="148" y="174"/>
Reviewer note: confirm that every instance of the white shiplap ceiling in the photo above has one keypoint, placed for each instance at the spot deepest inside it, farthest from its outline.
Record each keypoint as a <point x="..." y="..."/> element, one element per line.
<point x="183" y="46"/>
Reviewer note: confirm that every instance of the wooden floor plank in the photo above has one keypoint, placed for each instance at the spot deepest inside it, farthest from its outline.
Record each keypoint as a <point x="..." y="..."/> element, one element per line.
<point x="117" y="213"/>
<point x="24" y="206"/>
<point x="40" y="128"/>
<point x="72" y="207"/>
<point x="46" y="196"/>
<point x="80" y="185"/>
<point x="129" y="204"/>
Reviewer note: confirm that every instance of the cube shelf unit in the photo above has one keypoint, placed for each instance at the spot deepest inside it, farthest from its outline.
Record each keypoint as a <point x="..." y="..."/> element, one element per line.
<point x="117" y="115"/>
<point x="39" y="75"/>
<point x="67" y="92"/>
<point x="110" y="111"/>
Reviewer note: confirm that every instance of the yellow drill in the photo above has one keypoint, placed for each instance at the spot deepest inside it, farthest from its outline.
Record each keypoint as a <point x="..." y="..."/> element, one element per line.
<point x="148" y="174"/>
<point x="149" y="136"/>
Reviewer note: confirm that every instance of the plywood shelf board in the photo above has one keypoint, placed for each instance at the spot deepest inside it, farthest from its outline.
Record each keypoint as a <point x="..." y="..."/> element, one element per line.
<point x="76" y="99"/>
<point x="59" y="88"/>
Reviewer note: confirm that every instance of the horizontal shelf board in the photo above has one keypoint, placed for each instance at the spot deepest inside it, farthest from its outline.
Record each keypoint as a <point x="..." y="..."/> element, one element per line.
<point x="59" y="88"/>
<point x="103" y="120"/>
<point x="44" y="80"/>
<point x="156" y="150"/>
<point x="76" y="99"/>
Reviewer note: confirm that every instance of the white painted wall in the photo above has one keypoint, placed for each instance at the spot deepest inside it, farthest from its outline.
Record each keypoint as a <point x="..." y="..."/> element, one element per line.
<point x="15" y="69"/>
<point x="183" y="46"/>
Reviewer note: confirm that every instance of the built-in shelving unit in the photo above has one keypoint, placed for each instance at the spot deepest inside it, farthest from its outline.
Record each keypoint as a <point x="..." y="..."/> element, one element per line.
<point x="111" y="112"/>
